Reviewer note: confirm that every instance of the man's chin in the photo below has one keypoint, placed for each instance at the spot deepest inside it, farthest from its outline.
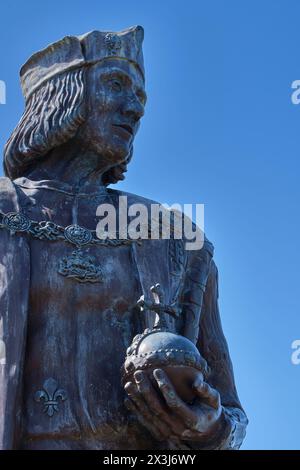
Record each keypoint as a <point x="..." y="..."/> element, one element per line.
<point x="119" y="154"/>
<point x="114" y="156"/>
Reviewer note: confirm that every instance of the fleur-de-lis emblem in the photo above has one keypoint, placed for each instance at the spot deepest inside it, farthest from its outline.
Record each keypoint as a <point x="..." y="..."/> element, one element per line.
<point x="50" y="396"/>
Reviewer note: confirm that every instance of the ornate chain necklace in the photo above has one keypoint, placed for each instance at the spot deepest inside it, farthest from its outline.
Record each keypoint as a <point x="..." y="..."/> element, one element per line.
<point x="78" y="265"/>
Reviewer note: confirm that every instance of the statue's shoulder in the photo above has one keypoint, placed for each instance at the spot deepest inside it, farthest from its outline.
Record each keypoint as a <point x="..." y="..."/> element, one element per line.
<point x="8" y="195"/>
<point x="136" y="199"/>
<point x="5" y="184"/>
<point x="133" y="198"/>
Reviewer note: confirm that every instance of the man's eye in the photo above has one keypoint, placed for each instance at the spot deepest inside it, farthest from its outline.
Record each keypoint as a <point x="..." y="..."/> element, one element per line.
<point x="116" y="85"/>
<point x="142" y="100"/>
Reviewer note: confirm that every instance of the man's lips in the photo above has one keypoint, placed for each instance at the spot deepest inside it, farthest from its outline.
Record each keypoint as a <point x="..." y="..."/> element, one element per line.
<point x="126" y="127"/>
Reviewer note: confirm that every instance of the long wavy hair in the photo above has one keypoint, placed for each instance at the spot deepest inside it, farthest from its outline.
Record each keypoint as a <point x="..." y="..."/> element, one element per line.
<point x="52" y="116"/>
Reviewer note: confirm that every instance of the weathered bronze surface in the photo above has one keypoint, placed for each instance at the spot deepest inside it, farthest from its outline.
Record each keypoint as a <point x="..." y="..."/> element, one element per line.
<point x="68" y="301"/>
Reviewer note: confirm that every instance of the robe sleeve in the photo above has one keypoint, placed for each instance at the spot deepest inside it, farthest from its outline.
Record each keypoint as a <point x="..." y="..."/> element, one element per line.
<point x="213" y="347"/>
<point x="201" y="296"/>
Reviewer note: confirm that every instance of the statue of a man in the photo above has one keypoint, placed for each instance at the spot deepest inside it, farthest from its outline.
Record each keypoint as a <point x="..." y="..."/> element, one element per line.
<point x="68" y="299"/>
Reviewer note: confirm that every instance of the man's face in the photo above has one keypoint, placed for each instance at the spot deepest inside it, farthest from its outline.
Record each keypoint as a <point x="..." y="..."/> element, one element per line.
<point x="115" y="104"/>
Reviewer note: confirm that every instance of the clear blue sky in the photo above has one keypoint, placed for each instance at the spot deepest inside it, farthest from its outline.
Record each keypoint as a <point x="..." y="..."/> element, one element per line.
<point x="219" y="129"/>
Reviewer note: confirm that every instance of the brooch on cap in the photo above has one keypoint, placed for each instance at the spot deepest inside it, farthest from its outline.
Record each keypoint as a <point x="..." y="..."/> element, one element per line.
<point x="113" y="43"/>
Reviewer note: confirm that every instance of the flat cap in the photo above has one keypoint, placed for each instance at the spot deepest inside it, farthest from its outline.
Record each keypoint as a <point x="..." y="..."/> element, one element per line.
<point x="73" y="52"/>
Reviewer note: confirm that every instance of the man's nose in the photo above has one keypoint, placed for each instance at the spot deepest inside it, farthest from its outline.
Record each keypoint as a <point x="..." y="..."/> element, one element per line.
<point x="133" y="108"/>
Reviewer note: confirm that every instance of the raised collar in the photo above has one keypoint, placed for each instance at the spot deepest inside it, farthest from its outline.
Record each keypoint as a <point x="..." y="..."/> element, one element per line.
<point x="61" y="186"/>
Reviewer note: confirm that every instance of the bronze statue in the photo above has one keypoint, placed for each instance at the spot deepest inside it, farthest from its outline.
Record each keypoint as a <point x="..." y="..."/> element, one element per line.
<point x="68" y="299"/>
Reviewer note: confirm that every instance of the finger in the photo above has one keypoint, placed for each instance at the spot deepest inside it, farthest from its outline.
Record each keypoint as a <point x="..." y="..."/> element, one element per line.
<point x="154" y="403"/>
<point x="143" y="421"/>
<point x="198" y="380"/>
<point x="143" y="409"/>
<point x="173" y="400"/>
<point x="136" y="397"/>
<point x="210" y="395"/>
